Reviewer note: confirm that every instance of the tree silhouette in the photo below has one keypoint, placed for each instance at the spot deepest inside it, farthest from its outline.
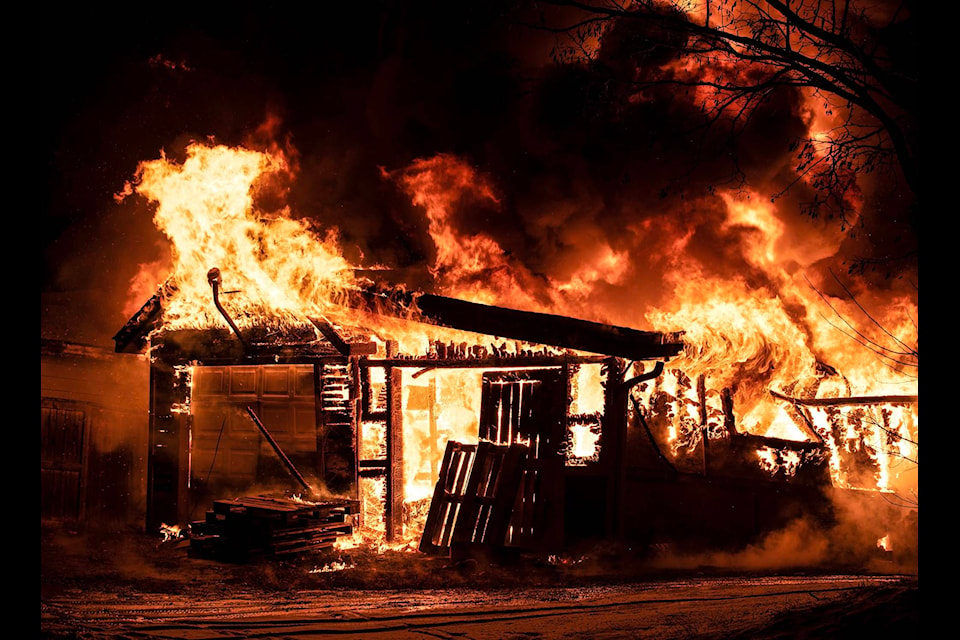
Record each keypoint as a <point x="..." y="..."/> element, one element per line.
<point x="853" y="59"/>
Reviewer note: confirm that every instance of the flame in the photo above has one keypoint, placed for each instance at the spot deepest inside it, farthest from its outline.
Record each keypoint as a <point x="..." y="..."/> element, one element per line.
<point x="332" y="567"/>
<point x="207" y="207"/>
<point x="884" y="543"/>
<point x="766" y="327"/>
<point x="584" y="441"/>
<point x="170" y="532"/>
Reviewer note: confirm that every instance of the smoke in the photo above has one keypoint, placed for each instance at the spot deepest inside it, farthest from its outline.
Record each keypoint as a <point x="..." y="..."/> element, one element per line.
<point x="849" y="541"/>
<point x="584" y="166"/>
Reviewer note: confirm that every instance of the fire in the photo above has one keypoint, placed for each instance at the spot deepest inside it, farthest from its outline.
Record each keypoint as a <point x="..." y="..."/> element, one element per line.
<point x="333" y="567"/>
<point x="170" y="532"/>
<point x="584" y="441"/>
<point x="766" y="329"/>
<point x="884" y="543"/>
<point x="207" y="207"/>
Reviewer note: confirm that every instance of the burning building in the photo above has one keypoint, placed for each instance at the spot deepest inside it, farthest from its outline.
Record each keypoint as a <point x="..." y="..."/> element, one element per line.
<point x="464" y="423"/>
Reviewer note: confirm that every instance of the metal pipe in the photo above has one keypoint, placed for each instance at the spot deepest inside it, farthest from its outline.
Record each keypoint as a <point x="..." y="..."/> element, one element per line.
<point x="213" y="277"/>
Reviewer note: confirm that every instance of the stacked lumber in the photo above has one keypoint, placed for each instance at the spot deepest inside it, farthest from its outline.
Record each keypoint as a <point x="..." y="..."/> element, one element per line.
<point x="264" y="526"/>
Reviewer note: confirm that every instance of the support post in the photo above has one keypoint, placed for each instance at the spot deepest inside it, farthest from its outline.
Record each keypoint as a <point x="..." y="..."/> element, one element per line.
<point x="393" y="511"/>
<point x="434" y="471"/>
<point x="704" y="431"/>
<point x="613" y="451"/>
<point x="320" y="421"/>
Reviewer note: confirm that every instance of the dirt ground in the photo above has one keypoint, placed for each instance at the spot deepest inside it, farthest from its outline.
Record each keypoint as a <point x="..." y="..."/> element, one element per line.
<point x="123" y="583"/>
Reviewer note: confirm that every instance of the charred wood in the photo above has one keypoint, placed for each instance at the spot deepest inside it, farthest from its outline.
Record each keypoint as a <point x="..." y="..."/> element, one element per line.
<point x="528" y="326"/>
<point x="280" y="454"/>
<point x="847" y="401"/>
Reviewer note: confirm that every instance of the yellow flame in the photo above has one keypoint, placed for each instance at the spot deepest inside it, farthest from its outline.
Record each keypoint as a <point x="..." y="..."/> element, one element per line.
<point x="206" y="205"/>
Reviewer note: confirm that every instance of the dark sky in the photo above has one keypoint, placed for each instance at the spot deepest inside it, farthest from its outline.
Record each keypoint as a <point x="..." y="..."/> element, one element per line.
<point x="362" y="89"/>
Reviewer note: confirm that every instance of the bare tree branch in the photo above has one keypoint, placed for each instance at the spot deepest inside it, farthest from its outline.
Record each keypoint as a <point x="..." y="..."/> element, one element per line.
<point x="837" y="52"/>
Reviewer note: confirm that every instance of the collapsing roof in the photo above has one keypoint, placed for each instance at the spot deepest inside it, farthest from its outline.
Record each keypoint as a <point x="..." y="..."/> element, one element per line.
<point x="540" y="328"/>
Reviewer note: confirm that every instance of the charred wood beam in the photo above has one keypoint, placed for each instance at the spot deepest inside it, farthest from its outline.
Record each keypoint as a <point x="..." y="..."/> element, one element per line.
<point x="393" y="512"/>
<point x="319" y="421"/>
<point x="372" y="468"/>
<point x="167" y="475"/>
<point x="356" y="411"/>
<point x="729" y="418"/>
<point x="280" y="454"/>
<point x="777" y="443"/>
<point x="613" y="442"/>
<point x="848" y="401"/>
<point x="481" y="363"/>
<point x="132" y="336"/>
<point x="704" y="429"/>
<point x="341" y="345"/>
<point x="213" y="277"/>
<point x="528" y="326"/>
<point x="219" y="347"/>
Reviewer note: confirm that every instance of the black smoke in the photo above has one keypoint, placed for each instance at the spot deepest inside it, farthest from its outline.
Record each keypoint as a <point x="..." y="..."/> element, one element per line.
<point x="577" y="154"/>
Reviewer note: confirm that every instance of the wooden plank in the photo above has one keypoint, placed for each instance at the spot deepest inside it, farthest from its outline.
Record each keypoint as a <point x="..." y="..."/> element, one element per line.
<point x="474" y="497"/>
<point x="464" y="529"/>
<point x="849" y="400"/>
<point x="427" y="539"/>
<point x="540" y="328"/>
<point x="506" y="489"/>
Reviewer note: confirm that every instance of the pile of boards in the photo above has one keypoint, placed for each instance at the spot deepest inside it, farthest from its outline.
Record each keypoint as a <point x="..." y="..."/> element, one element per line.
<point x="267" y="526"/>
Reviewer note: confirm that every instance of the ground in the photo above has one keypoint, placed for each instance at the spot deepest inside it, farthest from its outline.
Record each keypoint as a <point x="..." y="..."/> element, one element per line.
<point x="124" y="583"/>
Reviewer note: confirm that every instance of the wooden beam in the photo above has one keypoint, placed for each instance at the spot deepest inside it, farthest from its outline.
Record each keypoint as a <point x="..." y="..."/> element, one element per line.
<point x="505" y="362"/>
<point x="528" y="326"/>
<point x="847" y="401"/>
<point x="393" y="512"/>
<point x="777" y="443"/>
<point x="167" y="467"/>
<point x="320" y="426"/>
<point x="341" y="345"/>
<point x="704" y="429"/>
<point x="132" y="337"/>
<point x="287" y="463"/>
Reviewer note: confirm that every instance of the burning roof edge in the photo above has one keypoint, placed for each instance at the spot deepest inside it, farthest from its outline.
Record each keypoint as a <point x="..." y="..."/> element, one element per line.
<point x="528" y="326"/>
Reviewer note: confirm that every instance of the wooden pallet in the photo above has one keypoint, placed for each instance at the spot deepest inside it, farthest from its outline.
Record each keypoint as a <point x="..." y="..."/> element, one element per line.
<point x="474" y="497"/>
<point x="266" y="526"/>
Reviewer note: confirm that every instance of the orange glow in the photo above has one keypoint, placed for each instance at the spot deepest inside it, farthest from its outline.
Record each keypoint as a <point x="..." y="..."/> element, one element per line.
<point x="170" y="532"/>
<point x="764" y="328"/>
<point x="884" y="543"/>
<point x="206" y="207"/>
<point x="584" y="441"/>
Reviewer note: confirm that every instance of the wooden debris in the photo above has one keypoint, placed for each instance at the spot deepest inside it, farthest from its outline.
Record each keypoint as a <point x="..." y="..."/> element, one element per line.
<point x="474" y="498"/>
<point x="264" y="526"/>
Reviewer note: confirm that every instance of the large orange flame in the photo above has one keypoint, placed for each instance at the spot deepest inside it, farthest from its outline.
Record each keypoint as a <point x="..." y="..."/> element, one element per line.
<point x="772" y="331"/>
<point x="207" y="208"/>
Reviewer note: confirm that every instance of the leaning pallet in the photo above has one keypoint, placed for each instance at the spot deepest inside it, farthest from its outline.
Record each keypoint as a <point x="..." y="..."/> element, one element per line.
<point x="267" y="526"/>
<point x="474" y="498"/>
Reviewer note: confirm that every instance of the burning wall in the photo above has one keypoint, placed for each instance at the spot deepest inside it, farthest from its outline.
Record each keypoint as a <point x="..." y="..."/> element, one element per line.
<point x="734" y="337"/>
